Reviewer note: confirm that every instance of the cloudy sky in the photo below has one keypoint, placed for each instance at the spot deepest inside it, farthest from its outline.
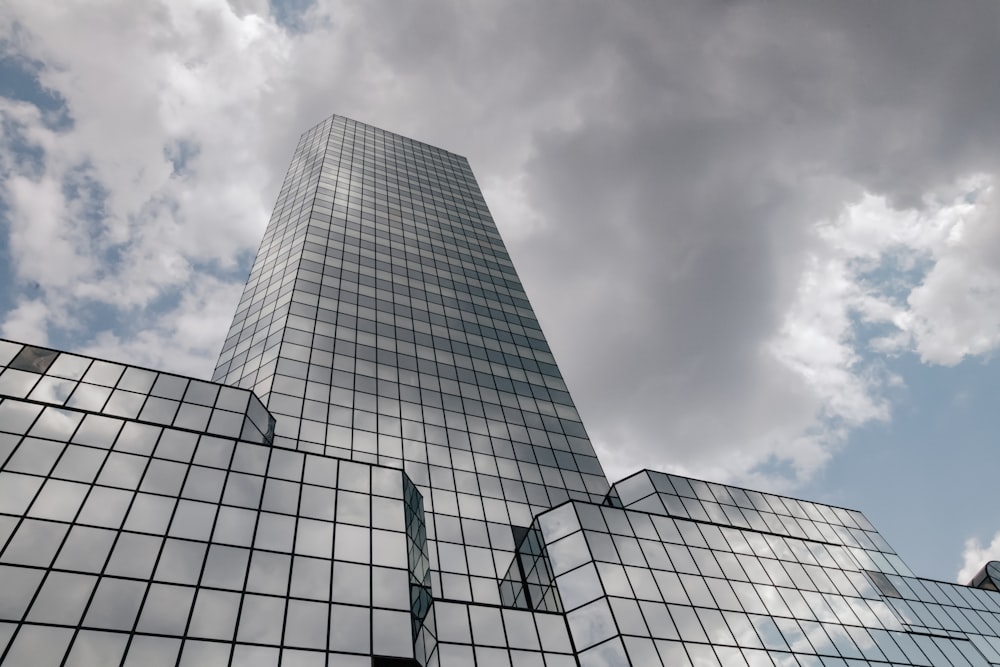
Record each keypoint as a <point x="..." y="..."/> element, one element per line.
<point x="763" y="238"/>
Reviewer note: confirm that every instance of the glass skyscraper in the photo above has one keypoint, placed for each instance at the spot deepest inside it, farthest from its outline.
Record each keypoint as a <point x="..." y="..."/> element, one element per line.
<point x="387" y="469"/>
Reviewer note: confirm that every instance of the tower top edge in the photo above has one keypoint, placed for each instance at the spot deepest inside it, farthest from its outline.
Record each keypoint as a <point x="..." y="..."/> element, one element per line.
<point x="333" y="117"/>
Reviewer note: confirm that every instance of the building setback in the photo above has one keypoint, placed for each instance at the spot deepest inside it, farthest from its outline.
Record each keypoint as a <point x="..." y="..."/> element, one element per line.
<point x="387" y="469"/>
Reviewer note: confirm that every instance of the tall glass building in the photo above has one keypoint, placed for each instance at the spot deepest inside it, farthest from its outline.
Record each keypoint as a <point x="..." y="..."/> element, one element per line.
<point x="387" y="470"/>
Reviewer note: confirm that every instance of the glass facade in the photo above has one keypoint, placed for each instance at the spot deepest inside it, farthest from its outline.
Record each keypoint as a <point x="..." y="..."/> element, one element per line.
<point x="387" y="469"/>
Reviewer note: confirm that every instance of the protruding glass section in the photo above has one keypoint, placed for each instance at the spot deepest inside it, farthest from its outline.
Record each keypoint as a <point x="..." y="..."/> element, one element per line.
<point x="988" y="578"/>
<point x="45" y="376"/>
<point x="529" y="583"/>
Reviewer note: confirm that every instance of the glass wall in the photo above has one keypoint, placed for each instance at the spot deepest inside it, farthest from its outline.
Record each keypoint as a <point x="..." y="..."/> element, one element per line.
<point x="146" y="518"/>
<point x="383" y="322"/>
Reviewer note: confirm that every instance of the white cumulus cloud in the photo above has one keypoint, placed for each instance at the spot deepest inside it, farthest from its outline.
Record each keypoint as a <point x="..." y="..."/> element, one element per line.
<point x="153" y="186"/>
